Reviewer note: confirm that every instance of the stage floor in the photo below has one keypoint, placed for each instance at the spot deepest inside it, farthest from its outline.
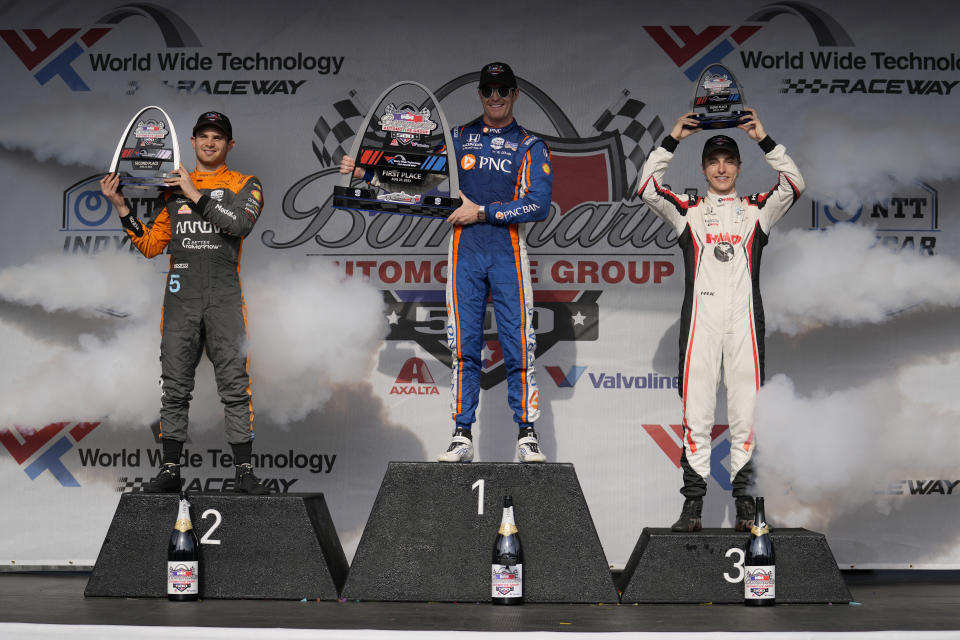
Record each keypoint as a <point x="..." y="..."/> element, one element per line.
<point x="886" y="601"/>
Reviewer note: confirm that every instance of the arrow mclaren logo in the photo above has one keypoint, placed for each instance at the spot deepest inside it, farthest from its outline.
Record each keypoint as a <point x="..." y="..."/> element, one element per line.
<point x="693" y="51"/>
<point x="53" y="56"/>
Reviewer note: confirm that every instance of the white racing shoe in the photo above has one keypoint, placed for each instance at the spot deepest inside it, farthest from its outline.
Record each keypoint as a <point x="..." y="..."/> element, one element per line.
<point x="460" y="449"/>
<point x="528" y="446"/>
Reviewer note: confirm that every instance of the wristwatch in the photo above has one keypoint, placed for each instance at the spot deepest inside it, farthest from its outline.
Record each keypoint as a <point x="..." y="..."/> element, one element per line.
<point x="482" y="213"/>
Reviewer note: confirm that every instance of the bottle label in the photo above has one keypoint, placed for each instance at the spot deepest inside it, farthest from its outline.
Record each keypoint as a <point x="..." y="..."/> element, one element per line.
<point x="759" y="582"/>
<point x="183" y="578"/>
<point x="507" y="529"/>
<point x="760" y="530"/>
<point x="507" y="581"/>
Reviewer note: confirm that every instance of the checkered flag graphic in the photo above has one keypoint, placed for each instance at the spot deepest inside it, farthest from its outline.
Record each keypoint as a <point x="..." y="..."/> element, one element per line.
<point x="130" y="485"/>
<point x="330" y="140"/>
<point x="802" y="86"/>
<point x="638" y="139"/>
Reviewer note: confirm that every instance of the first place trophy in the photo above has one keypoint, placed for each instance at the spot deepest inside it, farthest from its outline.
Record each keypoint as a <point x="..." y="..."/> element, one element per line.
<point x="718" y="101"/>
<point x="404" y="146"/>
<point x="147" y="153"/>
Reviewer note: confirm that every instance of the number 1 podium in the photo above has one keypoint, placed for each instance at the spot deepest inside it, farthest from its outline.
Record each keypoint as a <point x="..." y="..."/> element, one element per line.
<point x="278" y="546"/>
<point x="430" y="535"/>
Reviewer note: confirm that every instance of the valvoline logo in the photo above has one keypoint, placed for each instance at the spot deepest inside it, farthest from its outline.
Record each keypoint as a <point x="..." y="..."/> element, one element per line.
<point x="39" y="450"/>
<point x="53" y="56"/>
<point x="713" y="43"/>
<point x="670" y="441"/>
<point x="565" y="379"/>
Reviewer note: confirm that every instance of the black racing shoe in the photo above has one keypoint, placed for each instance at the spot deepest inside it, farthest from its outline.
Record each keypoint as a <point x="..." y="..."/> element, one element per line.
<point x="246" y="481"/>
<point x="167" y="480"/>
<point x="689" y="519"/>
<point x="746" y="513"/>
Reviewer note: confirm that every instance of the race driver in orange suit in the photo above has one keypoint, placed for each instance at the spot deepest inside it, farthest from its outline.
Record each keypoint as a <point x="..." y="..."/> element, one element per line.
<point x="206" y="216"/>
<point x="722" y="236"/>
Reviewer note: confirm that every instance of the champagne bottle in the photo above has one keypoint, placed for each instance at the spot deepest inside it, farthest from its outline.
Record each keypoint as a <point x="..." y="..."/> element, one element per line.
<point x="759" y="581"/>
<point x="183" y="557"/>
<point x="507" y="575"/>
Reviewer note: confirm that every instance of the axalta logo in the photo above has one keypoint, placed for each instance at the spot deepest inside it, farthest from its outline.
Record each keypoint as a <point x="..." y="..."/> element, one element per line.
<point x="414" y="379"/>
<point x="39" y="450"/>
<point x="670" y="441"/>
<point x="54" y="55"/>
<point x="468" y="162"/>
<point x="693" y="51"/>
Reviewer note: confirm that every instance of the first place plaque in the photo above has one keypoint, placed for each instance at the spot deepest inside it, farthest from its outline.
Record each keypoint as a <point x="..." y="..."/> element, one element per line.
<point x="404" y="146"/>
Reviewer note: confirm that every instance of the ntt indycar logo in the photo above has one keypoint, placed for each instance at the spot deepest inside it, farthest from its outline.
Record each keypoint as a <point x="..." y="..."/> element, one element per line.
<point x="615" y="380"/>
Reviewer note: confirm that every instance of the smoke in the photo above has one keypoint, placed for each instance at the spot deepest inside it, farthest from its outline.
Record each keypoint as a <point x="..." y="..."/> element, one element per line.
<point x="309" y="330"/>
<point x="841" y="276"/>
<point x="860" y="152"/>
<point x="832" y="452"/>
<point x="81" y="339"/>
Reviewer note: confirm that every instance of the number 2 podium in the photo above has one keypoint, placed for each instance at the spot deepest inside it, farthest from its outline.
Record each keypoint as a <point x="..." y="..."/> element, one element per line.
<point x="275" y="546"/>
<point x="430" y="535"/>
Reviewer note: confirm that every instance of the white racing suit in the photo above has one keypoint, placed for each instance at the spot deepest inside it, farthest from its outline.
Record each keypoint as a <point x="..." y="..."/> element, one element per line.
<point x="721" y="322"/>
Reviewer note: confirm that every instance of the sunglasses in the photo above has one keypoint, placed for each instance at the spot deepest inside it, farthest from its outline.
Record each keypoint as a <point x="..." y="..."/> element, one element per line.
<point x="503" y="92"/>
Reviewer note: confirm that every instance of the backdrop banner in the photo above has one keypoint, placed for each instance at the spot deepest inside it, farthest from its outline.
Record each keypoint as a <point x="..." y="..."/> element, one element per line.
<point x="857" y="424"/>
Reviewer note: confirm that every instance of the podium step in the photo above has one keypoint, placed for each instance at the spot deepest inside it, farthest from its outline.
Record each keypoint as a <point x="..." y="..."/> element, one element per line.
<point x="700" y="567"/>
<point x="430" y="535"/>
<point x="279" y="546"/>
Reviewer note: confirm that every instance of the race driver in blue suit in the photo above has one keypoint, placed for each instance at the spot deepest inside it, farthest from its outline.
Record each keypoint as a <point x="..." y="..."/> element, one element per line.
<point x="505" y="180"/>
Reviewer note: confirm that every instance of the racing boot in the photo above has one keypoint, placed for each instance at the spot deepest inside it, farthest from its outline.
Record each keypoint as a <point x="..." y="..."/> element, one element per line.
<point x="746" y="513"/>
<point x="460" y="449"/>
<point x="167" y="480"/>
<point x="246" y="481"/>
<point x="528" y="446"/>
<point x="689" y="519"/>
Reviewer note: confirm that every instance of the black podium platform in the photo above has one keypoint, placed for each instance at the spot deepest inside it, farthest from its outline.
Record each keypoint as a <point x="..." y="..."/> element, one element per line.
<point x="430" y="535"/>
<point x="279" y="546"/>
<point x="701" y="567"/>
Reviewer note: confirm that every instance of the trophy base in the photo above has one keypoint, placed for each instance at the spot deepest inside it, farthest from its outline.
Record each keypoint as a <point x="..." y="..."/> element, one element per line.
<point x="359" y="199"/>
<point x="724" y="121"/>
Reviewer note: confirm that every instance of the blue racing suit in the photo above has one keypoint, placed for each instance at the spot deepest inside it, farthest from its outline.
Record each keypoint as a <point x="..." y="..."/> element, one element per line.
<point x="507" y="171"/>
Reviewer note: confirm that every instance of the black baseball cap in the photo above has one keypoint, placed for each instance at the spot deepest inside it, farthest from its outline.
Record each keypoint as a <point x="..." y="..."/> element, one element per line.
<point x="497" y="73"/>
<point x="214" y="119"/>
<point x="720" y="143"/>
